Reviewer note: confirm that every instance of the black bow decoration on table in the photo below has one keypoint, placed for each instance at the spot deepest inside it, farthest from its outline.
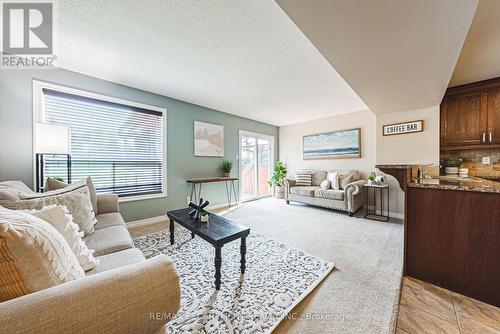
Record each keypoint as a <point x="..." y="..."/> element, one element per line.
<point x="197" y="209"/>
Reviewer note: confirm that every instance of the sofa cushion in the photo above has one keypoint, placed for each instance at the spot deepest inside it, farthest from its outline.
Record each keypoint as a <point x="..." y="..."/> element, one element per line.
<point x="116" y="260"/>
<point x="303" y="190"/>
<point x="33" y="256"/>
<point x="109" y="219"/>
<point x="317" y="177"/>
<point x="108" y="240"/>
<point x="330" y="193"/>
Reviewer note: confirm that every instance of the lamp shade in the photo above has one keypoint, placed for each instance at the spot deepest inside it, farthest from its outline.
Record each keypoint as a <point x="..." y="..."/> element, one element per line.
<point x="52" y="139"/>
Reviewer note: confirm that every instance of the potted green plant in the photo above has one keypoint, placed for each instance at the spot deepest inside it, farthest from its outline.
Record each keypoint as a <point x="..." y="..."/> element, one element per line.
<point x="451" y="165"/>
<point x="371" y="179"/>
<point x="204" y="216"/>
<point x="226" y="167"/>
<point x="277" y="179"/>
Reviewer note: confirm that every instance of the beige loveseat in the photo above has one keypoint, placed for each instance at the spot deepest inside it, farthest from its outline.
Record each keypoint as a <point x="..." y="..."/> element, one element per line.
<point x="125" y="293"/>
<point x="348" y="199"/>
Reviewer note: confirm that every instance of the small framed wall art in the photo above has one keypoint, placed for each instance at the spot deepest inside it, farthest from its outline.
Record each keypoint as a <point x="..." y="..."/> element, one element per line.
<point x="208" y="139"/>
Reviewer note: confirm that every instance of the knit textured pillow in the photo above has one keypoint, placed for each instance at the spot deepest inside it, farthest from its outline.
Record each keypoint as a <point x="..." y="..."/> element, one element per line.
<point x="33" y="256"/>
<point x="59" y="217"/>
<point x="77" y="201"/>
<point x="303" y="178"/>
<point x="53" y="184"/>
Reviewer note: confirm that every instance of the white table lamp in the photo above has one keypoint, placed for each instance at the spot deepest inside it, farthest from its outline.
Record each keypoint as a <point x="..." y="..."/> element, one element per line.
<point x="53" y="139"/>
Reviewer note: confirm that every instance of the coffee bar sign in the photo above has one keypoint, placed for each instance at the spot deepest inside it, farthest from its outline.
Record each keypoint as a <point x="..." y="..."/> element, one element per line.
<point x="403" y="128"/>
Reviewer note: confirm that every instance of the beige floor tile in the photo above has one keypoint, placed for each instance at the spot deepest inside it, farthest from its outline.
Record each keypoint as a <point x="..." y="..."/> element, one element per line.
<point x="470" y="326"/>
<point x="415" y="321"/>
<point x="479" y="311"/>
<point x="429" y="298"/>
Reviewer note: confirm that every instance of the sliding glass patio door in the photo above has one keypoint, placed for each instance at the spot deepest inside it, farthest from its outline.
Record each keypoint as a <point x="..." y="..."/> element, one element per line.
<point x="256" y="164"/>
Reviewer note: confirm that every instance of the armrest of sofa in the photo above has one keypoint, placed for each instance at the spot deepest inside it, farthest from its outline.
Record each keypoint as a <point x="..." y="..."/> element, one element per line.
<point x="107" y="203"/>
<point x="288" y="183"/>
<point x="355" y="187"/>
<point x="138" y="298"/>
<point x="354" y="195"/>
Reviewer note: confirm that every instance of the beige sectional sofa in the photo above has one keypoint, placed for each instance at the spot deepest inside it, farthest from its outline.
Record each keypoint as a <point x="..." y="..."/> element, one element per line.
<point x="125" y="293"/>
<point x="348" y="199"/>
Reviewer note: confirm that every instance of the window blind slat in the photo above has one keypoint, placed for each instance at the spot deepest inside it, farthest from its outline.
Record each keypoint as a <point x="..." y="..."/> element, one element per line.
<point x="119" y="146"/>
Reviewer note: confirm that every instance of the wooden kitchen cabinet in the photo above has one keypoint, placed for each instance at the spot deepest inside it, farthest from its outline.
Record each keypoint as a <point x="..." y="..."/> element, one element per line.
<point x="453" y="241"/>
<point x="493" y="129"/>
<point x="470" y="116"/>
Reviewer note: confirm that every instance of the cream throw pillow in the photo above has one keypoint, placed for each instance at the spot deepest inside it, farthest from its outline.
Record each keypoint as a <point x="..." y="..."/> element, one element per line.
<point x="344" y="181"/>
<point x="333" y="177"/>
<point x="59" y="217"/>
<point x="33" y="255"/>
<point x="325" y="184"/>
<point x="76" y="201"/>
<point x="53" y="184"/>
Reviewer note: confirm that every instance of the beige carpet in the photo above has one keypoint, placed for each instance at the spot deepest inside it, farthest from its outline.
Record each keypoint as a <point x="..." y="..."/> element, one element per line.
<point x="361" y="294"/>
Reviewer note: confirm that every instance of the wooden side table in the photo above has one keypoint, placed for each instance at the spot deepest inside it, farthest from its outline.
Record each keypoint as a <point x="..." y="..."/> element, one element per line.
<point x="373" y="214"/>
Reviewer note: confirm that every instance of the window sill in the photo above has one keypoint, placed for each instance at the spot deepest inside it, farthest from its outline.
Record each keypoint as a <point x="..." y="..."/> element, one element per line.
<point x="141" y="197"/>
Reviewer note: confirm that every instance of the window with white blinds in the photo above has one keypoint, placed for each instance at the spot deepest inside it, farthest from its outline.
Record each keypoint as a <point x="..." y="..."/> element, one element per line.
<point x="120" y="146"/>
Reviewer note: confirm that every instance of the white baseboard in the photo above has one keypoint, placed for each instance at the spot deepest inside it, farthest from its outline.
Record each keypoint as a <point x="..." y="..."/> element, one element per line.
<point x="147" y="221"/>
<point x="164" y="218"/>
<point x="392" y="214"/>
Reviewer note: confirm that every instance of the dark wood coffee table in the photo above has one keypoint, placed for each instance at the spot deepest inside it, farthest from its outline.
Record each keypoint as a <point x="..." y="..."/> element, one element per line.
<point x="218" y="232"/>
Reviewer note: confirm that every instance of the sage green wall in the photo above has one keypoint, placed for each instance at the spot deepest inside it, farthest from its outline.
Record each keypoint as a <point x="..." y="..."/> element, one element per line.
<point x="16" y="136"/>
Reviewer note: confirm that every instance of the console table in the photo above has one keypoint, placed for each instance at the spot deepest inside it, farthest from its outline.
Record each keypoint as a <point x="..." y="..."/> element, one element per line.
<point x="228" y="181"/>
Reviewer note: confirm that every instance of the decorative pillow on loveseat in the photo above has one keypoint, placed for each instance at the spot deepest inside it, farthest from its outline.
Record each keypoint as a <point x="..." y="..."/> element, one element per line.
<point x="53" y="184"/>
<point x="33" y="255"/>
<point x="303" y="178"/>
<point x="59" y="217"/>
<point x="345" y="180"/>
<point x="77" y="202"/>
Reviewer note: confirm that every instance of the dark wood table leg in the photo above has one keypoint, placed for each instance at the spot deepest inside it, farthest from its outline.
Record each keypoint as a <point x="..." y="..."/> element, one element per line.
<point x="218" y="264"/>
<point x="243" y="251"/>
<point x="171" y="232"/>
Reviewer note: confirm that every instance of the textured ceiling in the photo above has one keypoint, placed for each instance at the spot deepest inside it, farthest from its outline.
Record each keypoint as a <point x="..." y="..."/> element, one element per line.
<point x="480" y="57"/>
<point x="241" y="57"/>
<point x="396" y="54"/>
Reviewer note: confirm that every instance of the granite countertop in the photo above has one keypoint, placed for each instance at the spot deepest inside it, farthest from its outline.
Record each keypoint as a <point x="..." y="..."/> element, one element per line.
<point x="395" y="166"/>
<point x="456" y="183"/>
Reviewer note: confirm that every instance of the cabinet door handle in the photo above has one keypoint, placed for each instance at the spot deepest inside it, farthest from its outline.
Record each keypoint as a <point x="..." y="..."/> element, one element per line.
<point x="484" y="137"/>
<point x="490" y="137"/>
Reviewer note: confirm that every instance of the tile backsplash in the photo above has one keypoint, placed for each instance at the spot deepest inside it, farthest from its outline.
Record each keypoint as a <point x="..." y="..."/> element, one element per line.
<point x="473" y="159"/>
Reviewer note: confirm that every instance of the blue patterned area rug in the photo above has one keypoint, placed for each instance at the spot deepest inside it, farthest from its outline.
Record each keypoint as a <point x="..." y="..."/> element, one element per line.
<point x="276" y="279"/>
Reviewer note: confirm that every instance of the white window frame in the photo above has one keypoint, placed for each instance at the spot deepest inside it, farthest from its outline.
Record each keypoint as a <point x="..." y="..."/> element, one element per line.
<point x="38" y="117"/>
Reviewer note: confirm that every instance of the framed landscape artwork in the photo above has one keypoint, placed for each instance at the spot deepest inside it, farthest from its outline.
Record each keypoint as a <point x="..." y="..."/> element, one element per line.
<point x="208" y="139"/>
<point x="333" y="145"/>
